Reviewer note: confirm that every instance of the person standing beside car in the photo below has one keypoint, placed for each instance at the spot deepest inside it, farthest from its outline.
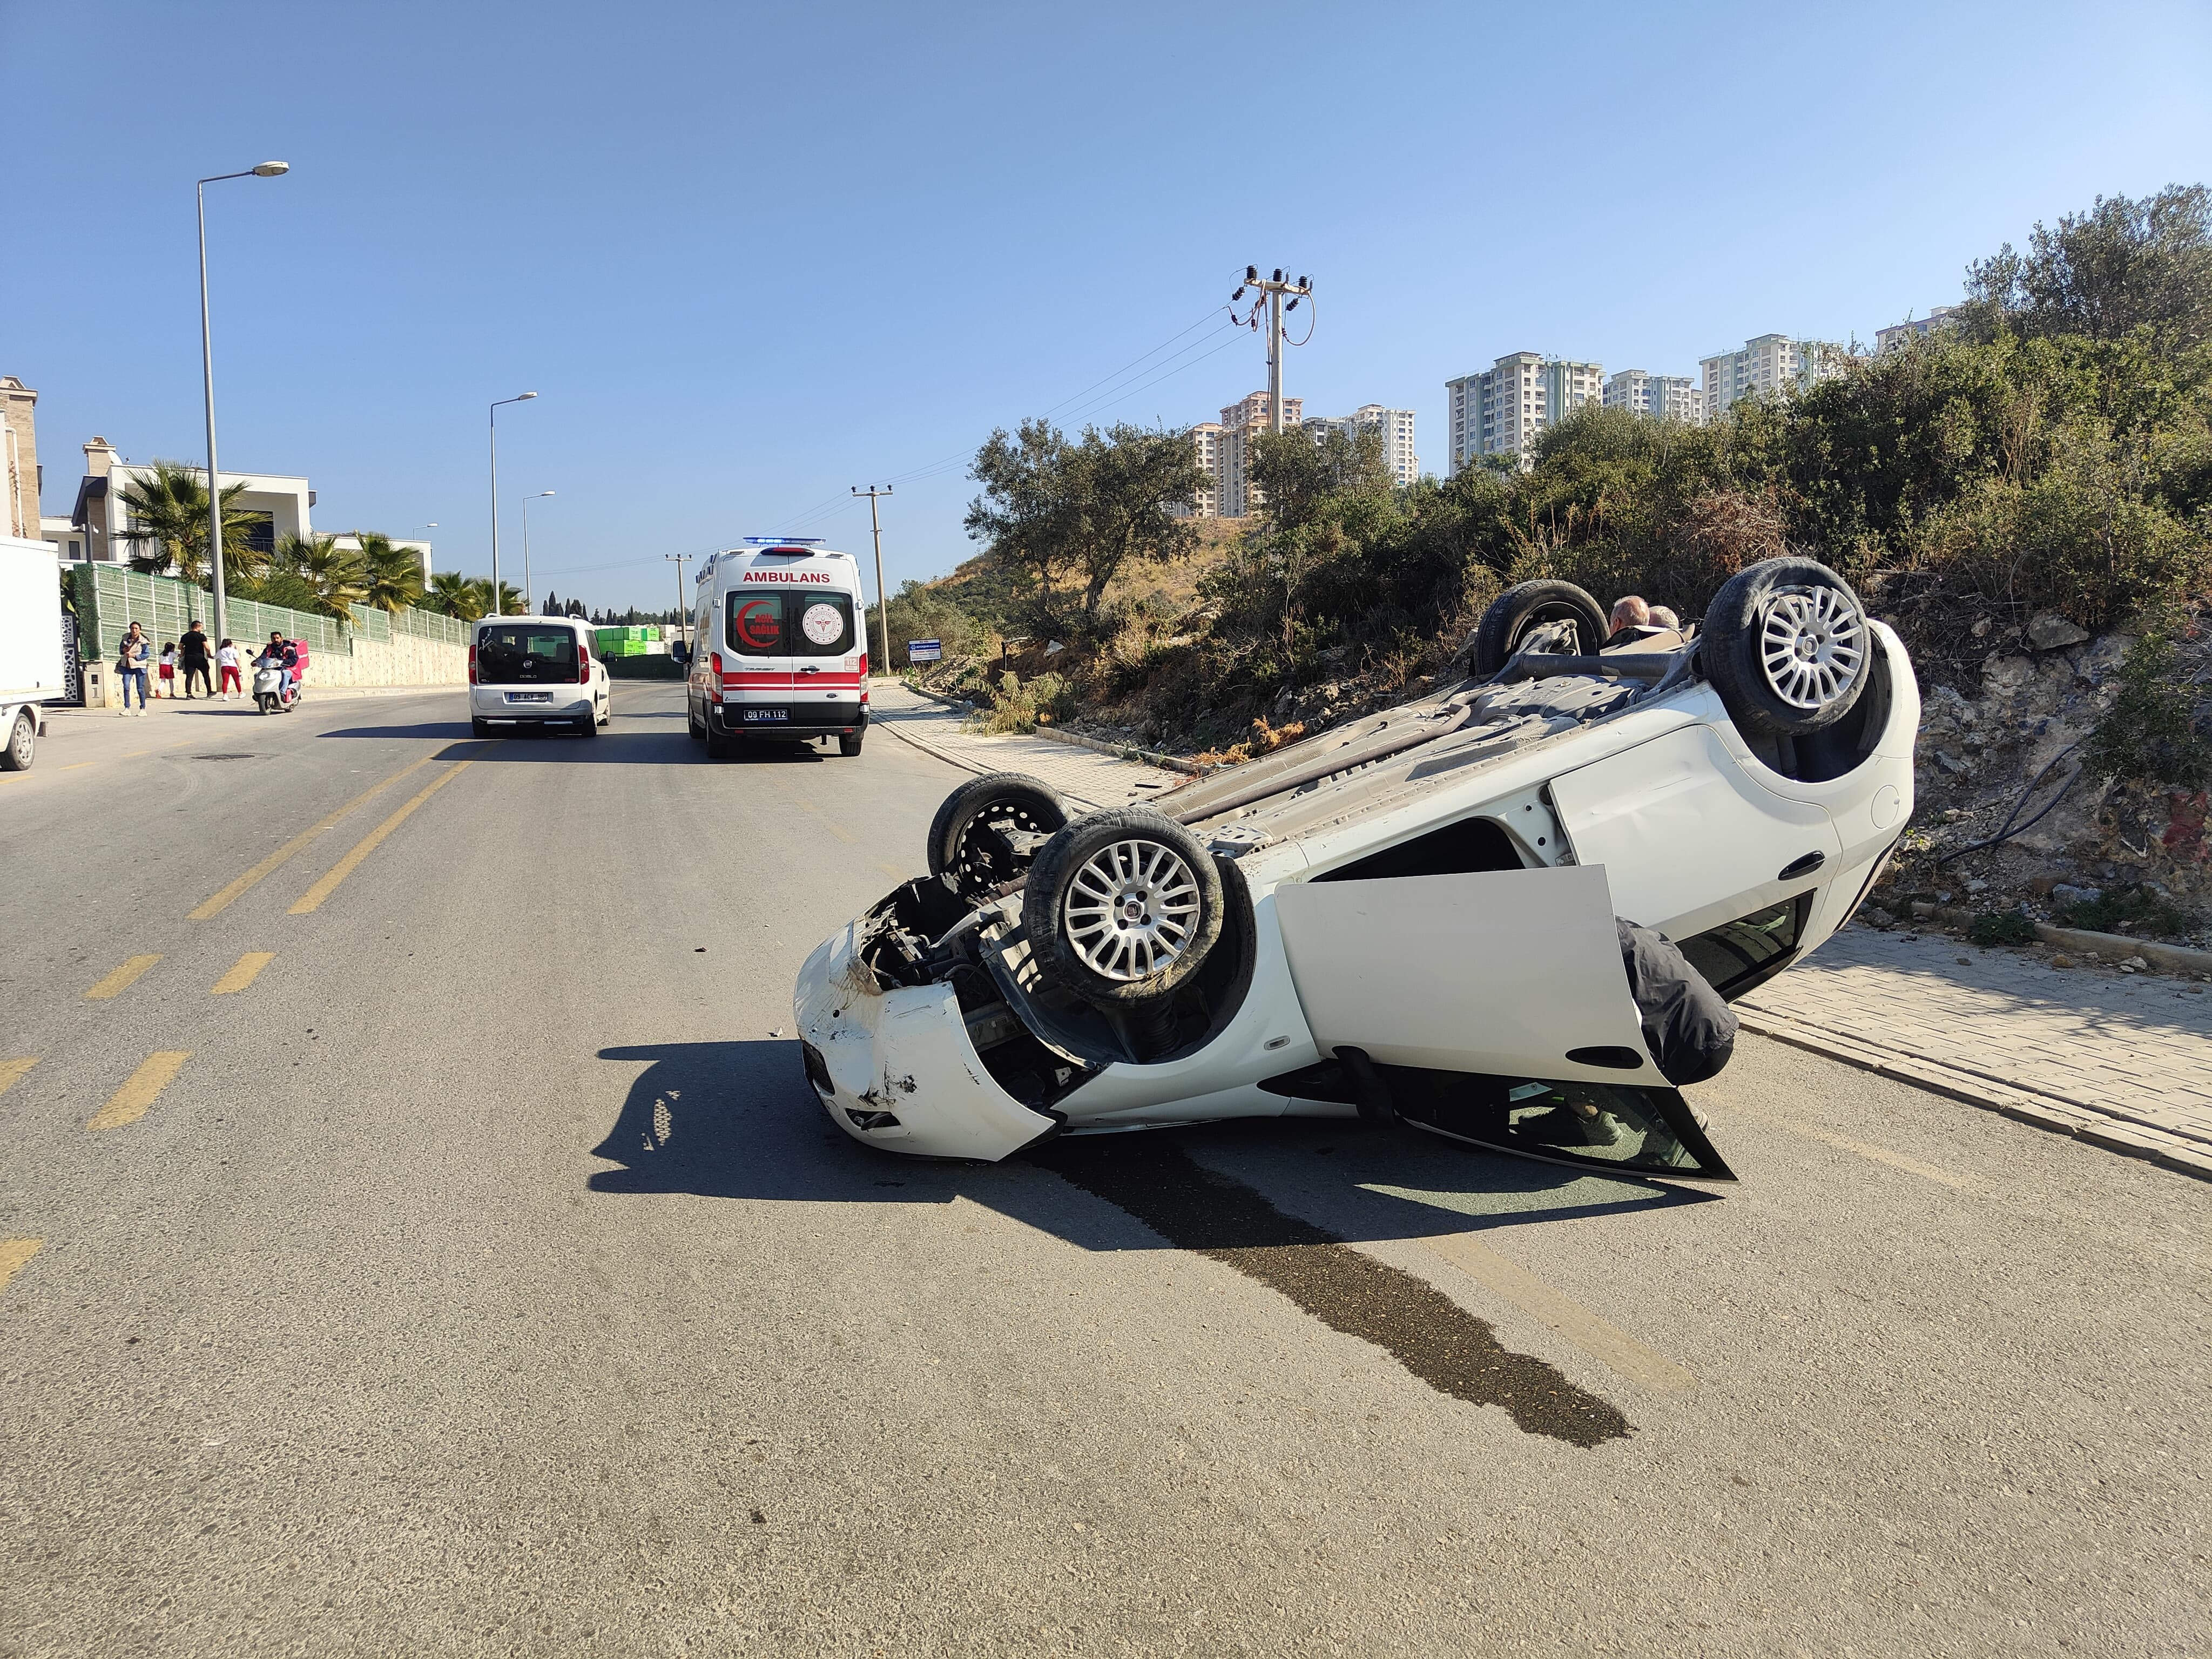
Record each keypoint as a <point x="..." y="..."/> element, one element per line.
<point x="130" y="659"/>
<point x="192" y="658"/>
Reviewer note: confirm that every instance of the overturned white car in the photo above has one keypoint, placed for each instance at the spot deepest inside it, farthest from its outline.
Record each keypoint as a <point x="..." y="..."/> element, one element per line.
<point x="1509" y="912"/>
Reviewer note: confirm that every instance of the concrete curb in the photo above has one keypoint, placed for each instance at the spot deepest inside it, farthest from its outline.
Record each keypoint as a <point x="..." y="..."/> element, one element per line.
<point x="2117" y="947"/>
<point x="1127" y="752"/>
<point x="2041" y="1111"/>
<point x="314" y="694"/>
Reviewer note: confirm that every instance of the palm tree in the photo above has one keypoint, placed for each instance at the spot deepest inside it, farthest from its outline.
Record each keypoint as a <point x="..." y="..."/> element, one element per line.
<point x="394" y="573"/>
<point x="510" y="602"/>
<point x="167" y="517"/>
<point x="335" y="575"/>
<point x="458" y="595"/>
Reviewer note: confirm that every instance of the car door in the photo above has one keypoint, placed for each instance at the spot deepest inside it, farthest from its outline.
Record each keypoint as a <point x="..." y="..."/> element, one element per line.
<point x="1510" y="972"/>
<point x="1687" y="840"/>
<point x="822" y="630"/>
<point x="1494" y="1009"/>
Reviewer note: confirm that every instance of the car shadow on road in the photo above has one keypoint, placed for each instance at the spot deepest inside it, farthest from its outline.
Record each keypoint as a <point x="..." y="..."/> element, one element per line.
<point x="447" y="729"/>
<point x="739" y="1120"/>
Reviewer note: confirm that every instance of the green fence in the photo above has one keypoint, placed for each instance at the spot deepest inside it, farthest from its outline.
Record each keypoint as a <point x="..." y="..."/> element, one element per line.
<point x="111" y="597"/>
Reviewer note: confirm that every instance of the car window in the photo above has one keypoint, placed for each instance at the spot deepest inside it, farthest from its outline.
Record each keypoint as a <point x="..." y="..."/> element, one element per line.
<point x="799" y="624"/>
<point x="516" y="654"/>
<point x="1738" y="955"/>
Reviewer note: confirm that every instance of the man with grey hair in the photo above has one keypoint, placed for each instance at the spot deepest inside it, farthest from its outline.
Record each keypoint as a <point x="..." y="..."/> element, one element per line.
<point x="1628" y="611"/>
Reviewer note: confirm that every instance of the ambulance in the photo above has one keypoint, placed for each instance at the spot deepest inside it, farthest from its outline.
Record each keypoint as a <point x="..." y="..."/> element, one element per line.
<point x="780" y="651"/>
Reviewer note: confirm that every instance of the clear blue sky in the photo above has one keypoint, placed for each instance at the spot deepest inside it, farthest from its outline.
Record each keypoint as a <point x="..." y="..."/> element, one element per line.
<point x="751" y="255"/>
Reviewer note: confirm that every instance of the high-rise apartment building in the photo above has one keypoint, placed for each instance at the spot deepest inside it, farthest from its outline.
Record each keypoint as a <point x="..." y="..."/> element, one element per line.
<point x="1205" y="450"/>
<point x="1770" y="364"/>
<point x="1396" y="426"/>
<point x="1888" y="339"/>
<point x="1662" y="397"/>
<point x="1241" y="423"/>
<point x="1500" y="409"/>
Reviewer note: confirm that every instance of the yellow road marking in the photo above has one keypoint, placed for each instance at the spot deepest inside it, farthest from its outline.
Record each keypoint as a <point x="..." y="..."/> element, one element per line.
<point x="242" y="975"/>
<point x="313" y="898"/>
<point x="134" y="754"/>
<point x="893" y="872"/>
<point x="73" y="765"/>
<point x="215" y="905"/>
<point x="122" y="979"/>
<point x="14" y="1253"/>
<point x="11" y="1070"/>
<point x="1861" y="1148"/>
<point x="128" y="1103"/>
<point x="1593" y="1335"/>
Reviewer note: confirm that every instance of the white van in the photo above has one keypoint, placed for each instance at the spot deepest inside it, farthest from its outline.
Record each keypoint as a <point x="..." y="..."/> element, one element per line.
<point x="535" y="671"/>
<point x="780" y="652"/>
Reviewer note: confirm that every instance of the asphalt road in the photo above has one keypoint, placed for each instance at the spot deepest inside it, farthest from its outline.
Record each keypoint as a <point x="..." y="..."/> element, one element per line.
<point x="482" y="1277"/>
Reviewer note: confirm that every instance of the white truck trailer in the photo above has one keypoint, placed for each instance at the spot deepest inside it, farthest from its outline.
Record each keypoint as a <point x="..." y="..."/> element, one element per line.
<point x="31" y="670"/>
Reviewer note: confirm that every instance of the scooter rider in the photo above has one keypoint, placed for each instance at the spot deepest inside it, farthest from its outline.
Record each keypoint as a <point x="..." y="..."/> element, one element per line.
<point x="281" y="653"/>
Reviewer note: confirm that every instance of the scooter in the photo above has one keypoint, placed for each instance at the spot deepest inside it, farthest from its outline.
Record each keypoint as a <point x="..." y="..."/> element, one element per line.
<point x="273" y="691"/>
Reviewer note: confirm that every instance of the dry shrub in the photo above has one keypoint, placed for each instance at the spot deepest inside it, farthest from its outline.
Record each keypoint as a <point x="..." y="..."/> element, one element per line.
<point x="1265" y="739"/>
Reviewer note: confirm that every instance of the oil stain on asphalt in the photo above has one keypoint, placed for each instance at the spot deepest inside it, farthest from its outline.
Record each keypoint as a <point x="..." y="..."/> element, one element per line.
<point x="1348" y="1290"/>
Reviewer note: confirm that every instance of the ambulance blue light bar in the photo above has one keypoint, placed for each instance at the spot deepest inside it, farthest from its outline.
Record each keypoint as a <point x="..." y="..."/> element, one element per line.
<point x="785" y="541"/>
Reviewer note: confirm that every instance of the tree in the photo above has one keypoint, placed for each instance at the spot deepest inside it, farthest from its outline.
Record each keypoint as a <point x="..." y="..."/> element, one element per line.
<point x="393" y="575"/>
<point x="553" y="607"/>
<point x="1129" y="476"/>
<point x="456" y="596"/>
<point x="167" y="515"/>
<point x="1052" y="509"/>
<point x="2123" y="265"/>
<point x="337" y="577"/>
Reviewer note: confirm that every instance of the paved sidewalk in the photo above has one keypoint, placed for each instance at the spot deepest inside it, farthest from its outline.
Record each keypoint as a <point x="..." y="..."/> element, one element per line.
<point x="2123" y="1062"/>
<point x="1082" y="775"/>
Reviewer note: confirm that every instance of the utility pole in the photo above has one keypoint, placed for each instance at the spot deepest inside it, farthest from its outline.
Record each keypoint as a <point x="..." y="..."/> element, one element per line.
<point x="1269" y="293"/>
<point x="883" y="603"/>
<point x="681" y="610"/>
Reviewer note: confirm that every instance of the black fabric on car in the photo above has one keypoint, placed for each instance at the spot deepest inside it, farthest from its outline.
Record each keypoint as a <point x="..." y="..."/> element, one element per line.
<point x="1689" y="1030"/>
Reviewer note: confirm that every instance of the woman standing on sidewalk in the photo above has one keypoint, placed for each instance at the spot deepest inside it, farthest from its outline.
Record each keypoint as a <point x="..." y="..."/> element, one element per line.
<point x="225" y="657"/>
<point x="130" y="660"/>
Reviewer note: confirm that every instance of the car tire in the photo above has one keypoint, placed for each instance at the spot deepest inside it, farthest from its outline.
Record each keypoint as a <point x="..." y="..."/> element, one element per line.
<point x="849" y="744"/>
<point x="1011" y="799"/>
<point x="591" y="726"/>
<point x="23" y="743"/>
<point x="692" y="722"/>
<point x="1122" y="908"/>
<point x="1527" y="606"/>
<point x="720" y="747"/>
<point x="1787" y="645"/>
<point x="481" y="728"/>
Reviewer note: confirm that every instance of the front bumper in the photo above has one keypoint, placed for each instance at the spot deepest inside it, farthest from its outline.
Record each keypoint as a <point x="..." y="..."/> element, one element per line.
<point x="896" y="1068"/>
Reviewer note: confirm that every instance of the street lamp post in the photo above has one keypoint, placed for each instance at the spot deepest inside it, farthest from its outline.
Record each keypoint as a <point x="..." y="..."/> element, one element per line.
<point x="523" y="397"/>
<point x="265" y="170"/>
<point x="529" y="597"/>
